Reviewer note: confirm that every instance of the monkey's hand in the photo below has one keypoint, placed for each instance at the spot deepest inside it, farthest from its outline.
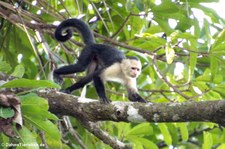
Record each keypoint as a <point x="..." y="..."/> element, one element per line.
<point x="135" y="97"/>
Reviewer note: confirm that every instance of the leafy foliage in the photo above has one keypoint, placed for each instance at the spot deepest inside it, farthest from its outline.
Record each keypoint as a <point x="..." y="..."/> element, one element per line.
<point x="188" y="64"/>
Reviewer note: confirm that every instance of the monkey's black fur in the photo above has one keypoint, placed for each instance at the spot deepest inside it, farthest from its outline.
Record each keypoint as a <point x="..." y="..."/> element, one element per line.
<point x="94" y="57"/>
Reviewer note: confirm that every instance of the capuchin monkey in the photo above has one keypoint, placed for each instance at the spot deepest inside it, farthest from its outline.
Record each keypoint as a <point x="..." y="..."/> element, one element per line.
<point x="102" y="62"/>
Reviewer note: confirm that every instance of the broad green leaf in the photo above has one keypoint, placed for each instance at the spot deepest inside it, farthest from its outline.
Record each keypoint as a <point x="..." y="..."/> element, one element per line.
<point x="207" y="140"/>
<point x="19" y="71"/>
<point x="183" y="131"/>
<point x="141" y="143"/>
<point x="58" y="144"/>
<point x="35" y="111"/>
<point x="6" y="112"/>
<point x="163" y="23"/>
<point x="218" y="78"/>
<point x="34" y="106"/>
<point x="166" y="134"/>
<point x="206" y="77"/>
<point x="28" y="140"/>
<point x="219" y="42"/>
<point x="220" y="89"/>
<point x="140" y="5"/>
<point x="165" y="7"/>
<point x="123" y="128"/>
<point x="141" y="130"/>
<point x="214" y="65"/>
<point x="26" y="83"/>
<point x="222" y="146"/>
<point x="47" y="126"/>
<point x="147" y="143"/>
<point x="4" y="67"/>
<point x="192" y="64"/>
<point x="4" y="140"/>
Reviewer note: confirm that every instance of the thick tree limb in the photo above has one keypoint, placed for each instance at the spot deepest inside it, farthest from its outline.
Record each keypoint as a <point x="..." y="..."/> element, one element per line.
<point x="92" y="110"/>
<point x="88" y="111"/>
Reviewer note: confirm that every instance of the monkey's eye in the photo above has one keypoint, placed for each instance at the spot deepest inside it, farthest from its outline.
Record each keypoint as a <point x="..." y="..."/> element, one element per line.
<point x="134" y="68"/>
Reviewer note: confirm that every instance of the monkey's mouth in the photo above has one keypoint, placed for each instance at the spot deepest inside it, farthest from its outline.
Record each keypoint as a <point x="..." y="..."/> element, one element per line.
<point x="133" y="75"/>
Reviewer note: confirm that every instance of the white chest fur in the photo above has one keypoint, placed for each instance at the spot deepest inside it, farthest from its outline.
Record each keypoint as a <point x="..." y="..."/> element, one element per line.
<point x="113" y="73"/>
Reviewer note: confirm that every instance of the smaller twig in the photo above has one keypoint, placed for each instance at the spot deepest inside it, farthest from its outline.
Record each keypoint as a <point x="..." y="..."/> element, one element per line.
<point x="43" y="140"/>
<point x="114" y="42"/>
<point x="121" y="28"/>
<point x="160" y="74"/>
<point x="73" y="132"/>
<point x="102" y="135"/>
<point x="99" y="15"/>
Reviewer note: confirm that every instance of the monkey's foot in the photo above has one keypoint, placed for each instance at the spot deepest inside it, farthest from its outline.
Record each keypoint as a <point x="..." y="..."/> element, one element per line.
<point x="105" y="101"/>
<point x="58" y="79"/>
<point x="65" y="91"/>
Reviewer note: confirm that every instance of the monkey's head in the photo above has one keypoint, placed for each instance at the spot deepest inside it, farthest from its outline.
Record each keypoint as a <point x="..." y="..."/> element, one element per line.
<point x="131" y="67"/>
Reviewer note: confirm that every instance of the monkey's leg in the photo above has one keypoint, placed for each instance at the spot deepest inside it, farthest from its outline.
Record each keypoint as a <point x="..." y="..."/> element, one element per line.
<point x="84" y="60"/>
<point x="67" y="70"/>
<point x="81" y="83"/>
<point x="99" y="86"/>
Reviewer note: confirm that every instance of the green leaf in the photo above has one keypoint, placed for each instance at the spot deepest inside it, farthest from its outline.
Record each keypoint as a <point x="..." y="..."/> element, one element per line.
<point x="147" y="143"/>
<point x="47" y="126"/>
<point x="183" y="131"/>
<point x="208" y="140"/>
<point x="140" y="5"/>
<point x="206" y="77"/>
<point x="218" y="78"/>
<point x="19" y="71"/>
<point x="35" y="111"/>
<point x="163" y="23"/>
<point x="192" y="66"/>
<point x="220" y="89"/>
<point x="214" y="66"/>
<point x="141" y="143"/>
<point x="27" y="139"/>
<point x="166" y="134"/>
<point x="35" y="106"/>
<point x="222" y="146"/>
<point x="4" y="67"/>
<point x="165" y="7"/>
<point x="219" y="41"/>
<point x="141" y="130"/>
<point x="26" y="83"/>
<point x="4" y="140"/>
<point x="6" y="112"/>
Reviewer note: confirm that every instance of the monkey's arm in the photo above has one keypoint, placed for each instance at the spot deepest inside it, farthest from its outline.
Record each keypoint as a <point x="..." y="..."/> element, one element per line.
<point x="133" y="92"/>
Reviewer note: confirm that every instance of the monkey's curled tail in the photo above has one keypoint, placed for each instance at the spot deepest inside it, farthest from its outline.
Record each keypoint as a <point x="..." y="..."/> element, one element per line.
<point x="64" y="31"/>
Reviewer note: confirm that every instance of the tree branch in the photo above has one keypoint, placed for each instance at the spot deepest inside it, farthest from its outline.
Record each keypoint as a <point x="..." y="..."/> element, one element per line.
<point x="92" y="110"/>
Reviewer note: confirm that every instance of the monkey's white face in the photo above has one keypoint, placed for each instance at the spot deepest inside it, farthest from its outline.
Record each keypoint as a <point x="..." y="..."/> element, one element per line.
<point x="131" y="67"/>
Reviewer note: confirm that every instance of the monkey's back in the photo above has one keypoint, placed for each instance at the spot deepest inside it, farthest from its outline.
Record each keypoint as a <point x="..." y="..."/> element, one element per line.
<point x="107" y="55"/>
